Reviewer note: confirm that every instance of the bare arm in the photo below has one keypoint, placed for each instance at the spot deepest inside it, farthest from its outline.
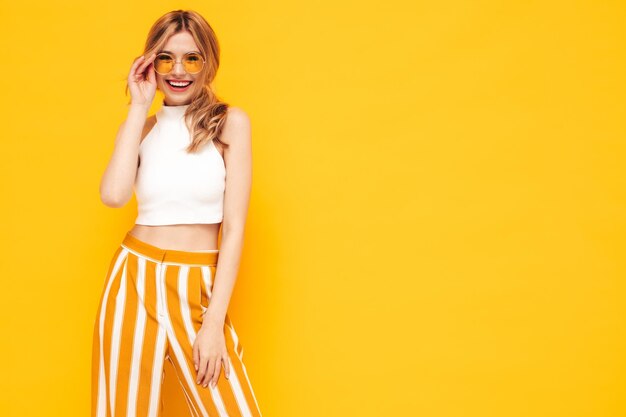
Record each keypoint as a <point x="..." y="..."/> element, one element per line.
<point x="116" y="186"/>
<point x="238" y="159"/>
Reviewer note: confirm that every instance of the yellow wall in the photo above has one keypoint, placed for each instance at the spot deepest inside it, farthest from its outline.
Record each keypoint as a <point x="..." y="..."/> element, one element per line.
<point x="438" y="216"/>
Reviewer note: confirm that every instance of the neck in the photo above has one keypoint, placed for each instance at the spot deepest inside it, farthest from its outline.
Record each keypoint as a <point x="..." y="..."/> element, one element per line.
<point x="172" y="111"/>
<point x="174" y="105"/>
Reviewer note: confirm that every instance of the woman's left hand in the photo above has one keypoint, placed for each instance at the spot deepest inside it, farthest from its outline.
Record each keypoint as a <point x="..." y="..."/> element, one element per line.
<point x="209" y="351"/>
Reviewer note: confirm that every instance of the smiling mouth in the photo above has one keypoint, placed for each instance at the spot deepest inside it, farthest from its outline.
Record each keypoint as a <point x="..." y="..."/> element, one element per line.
<point x="178" y="84"/>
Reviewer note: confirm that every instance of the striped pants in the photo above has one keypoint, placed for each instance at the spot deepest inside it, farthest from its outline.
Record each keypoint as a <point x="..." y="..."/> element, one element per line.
<point x="150" y="311"/>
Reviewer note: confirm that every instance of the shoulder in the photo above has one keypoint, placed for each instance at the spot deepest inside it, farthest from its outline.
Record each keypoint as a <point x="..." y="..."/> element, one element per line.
<point x="147" y="127"/>
<point x="236" y="116"/>
<point x="237" y="125"/>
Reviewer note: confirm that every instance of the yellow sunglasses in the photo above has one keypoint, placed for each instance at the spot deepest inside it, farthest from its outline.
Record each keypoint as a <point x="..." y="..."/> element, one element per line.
<point x="192" y="63"/>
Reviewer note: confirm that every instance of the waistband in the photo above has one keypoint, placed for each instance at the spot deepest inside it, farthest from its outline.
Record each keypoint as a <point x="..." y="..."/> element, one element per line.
<point x="156" y="254"/>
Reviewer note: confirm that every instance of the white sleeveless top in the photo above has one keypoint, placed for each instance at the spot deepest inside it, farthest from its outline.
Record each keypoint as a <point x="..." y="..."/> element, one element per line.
<point x="173" y="186"/>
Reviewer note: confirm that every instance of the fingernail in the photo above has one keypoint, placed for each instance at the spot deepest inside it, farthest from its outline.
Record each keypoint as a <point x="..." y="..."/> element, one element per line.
<point x="204" y="385"/>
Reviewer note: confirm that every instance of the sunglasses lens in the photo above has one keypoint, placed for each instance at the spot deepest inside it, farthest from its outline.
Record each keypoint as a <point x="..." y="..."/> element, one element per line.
<point x="193" y="63"/>
<point x="163" y="64"/>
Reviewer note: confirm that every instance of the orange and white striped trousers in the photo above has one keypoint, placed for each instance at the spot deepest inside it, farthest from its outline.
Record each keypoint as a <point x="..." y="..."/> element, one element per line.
<point x="150" y="311"/>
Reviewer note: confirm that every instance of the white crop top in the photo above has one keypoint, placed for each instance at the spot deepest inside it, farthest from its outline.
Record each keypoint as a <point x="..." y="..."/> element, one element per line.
<point x="173" y="186"/>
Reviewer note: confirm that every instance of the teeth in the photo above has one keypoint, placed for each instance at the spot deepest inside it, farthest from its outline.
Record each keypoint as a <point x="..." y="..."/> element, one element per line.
<point x="179" y="84"/>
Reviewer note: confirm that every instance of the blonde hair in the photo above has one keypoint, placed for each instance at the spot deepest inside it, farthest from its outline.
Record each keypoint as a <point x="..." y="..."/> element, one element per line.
<point x="206" y="114"/>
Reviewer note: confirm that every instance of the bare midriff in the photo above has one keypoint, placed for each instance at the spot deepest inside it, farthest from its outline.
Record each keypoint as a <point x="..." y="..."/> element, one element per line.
<point x="185" y="237"/>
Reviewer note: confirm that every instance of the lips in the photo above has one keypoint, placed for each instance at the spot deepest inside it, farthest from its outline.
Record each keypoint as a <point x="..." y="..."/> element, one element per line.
<point x="179" y="83"/>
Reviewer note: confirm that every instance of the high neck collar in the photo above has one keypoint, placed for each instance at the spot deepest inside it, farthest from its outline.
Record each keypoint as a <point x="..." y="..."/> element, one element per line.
<point x="172" y="112"/>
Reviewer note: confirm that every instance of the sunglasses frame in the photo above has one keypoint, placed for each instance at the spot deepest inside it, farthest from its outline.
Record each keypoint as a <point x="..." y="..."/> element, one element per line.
<point x="179" y="62"/>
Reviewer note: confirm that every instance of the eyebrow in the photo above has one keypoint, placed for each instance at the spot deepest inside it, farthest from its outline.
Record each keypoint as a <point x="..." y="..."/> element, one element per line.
<point x="172" y="53"/>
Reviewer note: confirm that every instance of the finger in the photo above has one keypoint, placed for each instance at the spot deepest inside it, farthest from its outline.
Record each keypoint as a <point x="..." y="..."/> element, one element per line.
<point x="142" y="69"/>
<point x="216" y="374"/>
<point x="146" y="62"/>
<point x="206" y="372"/>
<point x="151" y="74"/>
<point x="202" y="370"/>
<point x="226" y="367"/>
<point x="209" y="374"/>
<point x="196" y="356"/>
<point x="140" y="72"/>
<point x="134" y="66"/>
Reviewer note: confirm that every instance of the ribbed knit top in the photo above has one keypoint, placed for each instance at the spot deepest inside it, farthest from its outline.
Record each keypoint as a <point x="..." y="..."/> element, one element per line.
<point x="173" y="186"/>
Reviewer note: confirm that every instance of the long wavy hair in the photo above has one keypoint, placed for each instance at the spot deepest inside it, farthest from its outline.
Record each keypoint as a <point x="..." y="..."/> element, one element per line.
<point x="206" y="115"/>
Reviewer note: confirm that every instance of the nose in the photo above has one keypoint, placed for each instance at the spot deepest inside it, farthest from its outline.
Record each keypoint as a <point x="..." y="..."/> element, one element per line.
<point x="178" y="68"/>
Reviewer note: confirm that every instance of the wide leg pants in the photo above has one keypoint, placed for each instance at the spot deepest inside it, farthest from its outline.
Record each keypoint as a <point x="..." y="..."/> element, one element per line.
<point x="150" y="311"/>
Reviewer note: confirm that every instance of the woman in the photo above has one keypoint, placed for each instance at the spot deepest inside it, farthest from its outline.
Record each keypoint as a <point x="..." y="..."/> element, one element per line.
<point x="190" y="168"/>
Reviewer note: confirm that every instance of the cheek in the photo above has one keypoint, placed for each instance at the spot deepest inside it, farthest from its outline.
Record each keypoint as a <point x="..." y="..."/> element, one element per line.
<point x="160" y="81"/>
<point x="197" y="83"/>
<point x="198" y="89"/>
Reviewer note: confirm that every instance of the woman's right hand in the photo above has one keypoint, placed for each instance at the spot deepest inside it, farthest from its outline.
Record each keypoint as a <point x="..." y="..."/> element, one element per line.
<point x="142" y="81"/>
